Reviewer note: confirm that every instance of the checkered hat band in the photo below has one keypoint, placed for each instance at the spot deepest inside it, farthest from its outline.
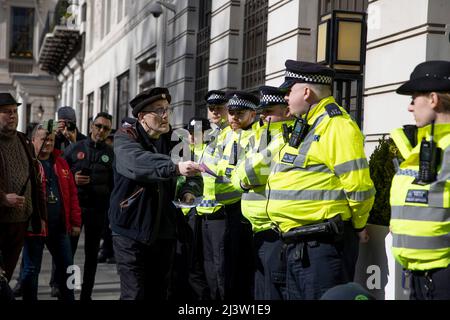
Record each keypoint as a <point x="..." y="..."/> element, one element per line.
<point x="241" y="103"/>
<point x="214" y="98"/>
<point x="274" y="99"/>
<point x="313" y="78"/>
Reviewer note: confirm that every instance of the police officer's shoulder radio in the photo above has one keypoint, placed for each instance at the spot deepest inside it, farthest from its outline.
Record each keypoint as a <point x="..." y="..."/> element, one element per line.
<point x="429" y="159"/>
<point x="299" y="132"/>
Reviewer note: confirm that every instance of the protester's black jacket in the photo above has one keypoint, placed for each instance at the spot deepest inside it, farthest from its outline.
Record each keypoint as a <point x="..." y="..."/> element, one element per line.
<point x="98" y="157"/>
<point x="144" y="186"/>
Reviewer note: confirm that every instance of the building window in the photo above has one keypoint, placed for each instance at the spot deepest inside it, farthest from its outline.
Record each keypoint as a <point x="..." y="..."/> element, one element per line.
<point x="146" y="73"/>
<point x="255" y="43"/>
<point x="202" y="59"/>
<point x="104" y="98"/>
<point x="22" y="29"/>
<point x="123" y="96"/>
<point x="90" y="108"/>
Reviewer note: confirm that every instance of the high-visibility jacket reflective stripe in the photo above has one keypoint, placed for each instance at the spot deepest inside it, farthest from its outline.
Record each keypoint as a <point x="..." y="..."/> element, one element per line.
<point x="253" y="203"/>
<point x="326" y="175"/>
<point x="211" y="157"/>
<point x="420" y="214"/>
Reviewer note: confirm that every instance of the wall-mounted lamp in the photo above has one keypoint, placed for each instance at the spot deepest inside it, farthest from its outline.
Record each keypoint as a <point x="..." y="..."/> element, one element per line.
<point x="341" y="41"/>
<point x="156" y="8"/>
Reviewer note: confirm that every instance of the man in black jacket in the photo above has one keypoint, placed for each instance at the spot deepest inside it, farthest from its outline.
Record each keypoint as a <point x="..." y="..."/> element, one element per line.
<point x="142" y="216"/>
<point x="90" y="161"/>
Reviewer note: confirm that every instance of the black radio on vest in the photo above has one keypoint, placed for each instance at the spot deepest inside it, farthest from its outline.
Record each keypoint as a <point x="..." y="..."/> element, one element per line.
<point x="299" y="132"/>
<point x="428" y="160"/>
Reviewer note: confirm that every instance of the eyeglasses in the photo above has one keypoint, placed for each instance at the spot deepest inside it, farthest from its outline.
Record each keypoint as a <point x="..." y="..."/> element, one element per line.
<point x="9" y="112"/>
<point x="160" y="112"/>
<point x="100" y="126"/>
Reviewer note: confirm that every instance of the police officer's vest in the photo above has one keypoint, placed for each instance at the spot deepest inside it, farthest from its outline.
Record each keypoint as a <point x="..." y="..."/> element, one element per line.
<point x="326" y="175"/>
<point x="254" y="201"/>
<point x="239" y="143"/>
<point x="420" y="214"/>
<point x="210" y="157"/>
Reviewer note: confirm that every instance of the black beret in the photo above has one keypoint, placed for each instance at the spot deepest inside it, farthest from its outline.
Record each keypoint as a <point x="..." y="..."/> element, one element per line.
<point x="241" y="100"/>
<point x="427" y="77"/>
<point x="306" y="72"/>
<point x="7" y="99"/>
<point x="146" y="97"/>
<point x="270" y="96"/>
<point x="214" y="97"/>
<point x="195" y="120"/>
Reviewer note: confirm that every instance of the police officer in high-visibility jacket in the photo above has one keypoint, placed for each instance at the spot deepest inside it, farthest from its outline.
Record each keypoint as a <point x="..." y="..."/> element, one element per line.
<point x="238" y="237"/>
<point x="270" y="271"/>
<point x="319" y="190"/>
<point x="211" y="211"/>
<point x="189" y="280"/>
<point x="420" y="192"/>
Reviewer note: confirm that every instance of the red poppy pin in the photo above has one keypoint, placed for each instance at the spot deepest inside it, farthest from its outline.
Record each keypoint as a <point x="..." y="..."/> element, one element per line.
<point x="80" y="155"/>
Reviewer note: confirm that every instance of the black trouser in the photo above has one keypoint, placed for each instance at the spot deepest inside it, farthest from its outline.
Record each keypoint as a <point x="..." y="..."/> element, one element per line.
<point x="12" y="237"/>
<point x="213" y="233"/>
<point x="92" y="222"/>
<point x="318" y="264"/>
<point x="144" y="270"/>
<point x="93" y="229"/>
<point x="107" y="245"/>
<point x="431" y="285"/>
<point x="189" y="280"/>
<point x="239" y="258"/>
<point x="270" y="271"/>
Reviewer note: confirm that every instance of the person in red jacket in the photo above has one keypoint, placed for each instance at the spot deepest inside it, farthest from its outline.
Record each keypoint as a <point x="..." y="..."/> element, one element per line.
<point x="63" y="219"/>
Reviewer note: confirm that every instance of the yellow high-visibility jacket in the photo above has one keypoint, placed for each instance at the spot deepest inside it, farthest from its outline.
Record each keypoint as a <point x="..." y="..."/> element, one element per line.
<point x="239" y="142"/>
<point x="253" y="203"/>
<point x="210" y="157"/>
<point x="420" y="214"/>
<point x="326" y="175"/>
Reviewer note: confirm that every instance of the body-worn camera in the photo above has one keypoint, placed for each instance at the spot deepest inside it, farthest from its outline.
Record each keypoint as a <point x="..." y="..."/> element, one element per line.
<point x="299" y="132"/>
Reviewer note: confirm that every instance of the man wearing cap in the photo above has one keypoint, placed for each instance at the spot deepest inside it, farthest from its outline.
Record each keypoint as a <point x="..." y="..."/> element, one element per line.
<point x="22" y="205"/>
<point x="90" y="160"/>
<point x="211" y="211"/>
<point x="67" y="131"/>
<point x="142" y="215"/>
<point x="420" y="208"/>
<point x="237" y="236"/>
<point x="270" y="272"/>
<point x="319" y="190"/>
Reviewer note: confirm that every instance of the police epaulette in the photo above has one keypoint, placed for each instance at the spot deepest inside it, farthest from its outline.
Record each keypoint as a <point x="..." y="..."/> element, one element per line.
<point x="333" y="110"/>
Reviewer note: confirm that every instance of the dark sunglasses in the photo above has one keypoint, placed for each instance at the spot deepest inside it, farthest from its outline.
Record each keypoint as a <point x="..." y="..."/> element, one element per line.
<point x="100" y="126"/>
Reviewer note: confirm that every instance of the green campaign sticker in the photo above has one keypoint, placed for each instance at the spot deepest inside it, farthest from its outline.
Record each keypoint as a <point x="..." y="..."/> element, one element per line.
<point x="105" y="158"/>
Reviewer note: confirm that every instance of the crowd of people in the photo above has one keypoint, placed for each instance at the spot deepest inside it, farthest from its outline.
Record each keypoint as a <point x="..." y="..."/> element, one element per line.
<point x="268" y="199"/>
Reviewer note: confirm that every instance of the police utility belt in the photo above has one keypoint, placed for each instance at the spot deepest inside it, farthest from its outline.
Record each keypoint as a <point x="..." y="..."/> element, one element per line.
<point x="331" y="229"/>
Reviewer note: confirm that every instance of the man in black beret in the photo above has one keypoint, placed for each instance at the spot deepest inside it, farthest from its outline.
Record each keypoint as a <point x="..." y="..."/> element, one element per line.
<point x="21" y="203"/>
<point x="319" y="188"/>
<point x="420" y="188"/>
<point x="142" y="216"/>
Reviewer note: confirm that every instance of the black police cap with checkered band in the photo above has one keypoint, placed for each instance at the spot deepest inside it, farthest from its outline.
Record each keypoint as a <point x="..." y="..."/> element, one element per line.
<point x="270" y="96"/>
<point x="239" y="100"/>
<point x="215" y="97"/>
<point x="306" y="72"/>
